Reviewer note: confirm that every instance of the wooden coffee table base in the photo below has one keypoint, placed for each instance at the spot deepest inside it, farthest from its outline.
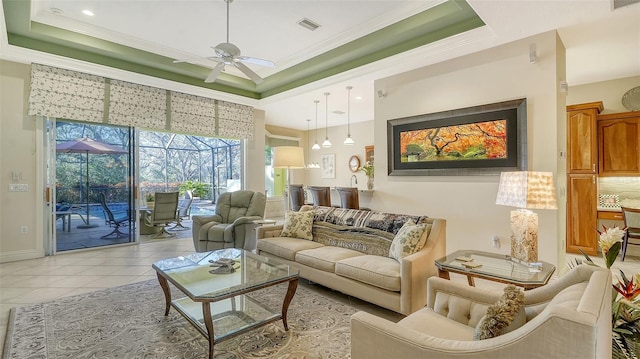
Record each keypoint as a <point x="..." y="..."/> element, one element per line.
<point x="208" y="315"/>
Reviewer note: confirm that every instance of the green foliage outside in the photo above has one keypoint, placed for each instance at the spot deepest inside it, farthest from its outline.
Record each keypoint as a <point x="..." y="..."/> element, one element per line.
<point x="199" y="189"/>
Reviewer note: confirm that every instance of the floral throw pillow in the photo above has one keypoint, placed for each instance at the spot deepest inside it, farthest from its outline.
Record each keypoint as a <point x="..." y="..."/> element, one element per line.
<point x="506" y="315"/>
<point x="408" y="240"/>
<point x="298" y="225"/>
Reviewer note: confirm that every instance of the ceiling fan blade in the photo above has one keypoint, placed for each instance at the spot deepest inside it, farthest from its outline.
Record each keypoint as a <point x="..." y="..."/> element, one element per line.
<point x="194" y="59"/>
<point x="247" y="71"/>
<point x="257" y="61"/>
<point x="214" y="73"/>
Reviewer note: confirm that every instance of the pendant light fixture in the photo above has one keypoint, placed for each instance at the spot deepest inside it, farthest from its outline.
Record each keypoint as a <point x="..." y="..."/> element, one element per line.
<point x="316" y="146"/>
<point x="326" y="143"/>
<point x="349" y="141"/>
<point x="311" y="164"/>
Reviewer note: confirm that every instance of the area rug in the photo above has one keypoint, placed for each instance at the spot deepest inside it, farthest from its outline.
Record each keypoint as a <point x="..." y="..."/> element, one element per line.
<point x="129" y="322"/>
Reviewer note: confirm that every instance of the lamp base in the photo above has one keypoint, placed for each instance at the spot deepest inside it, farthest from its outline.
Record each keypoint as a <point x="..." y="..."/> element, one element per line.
<point x="524" y="236"/>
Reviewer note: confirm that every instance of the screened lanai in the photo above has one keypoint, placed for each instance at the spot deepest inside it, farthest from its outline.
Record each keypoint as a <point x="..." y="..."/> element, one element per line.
<point x="169" y="161"/>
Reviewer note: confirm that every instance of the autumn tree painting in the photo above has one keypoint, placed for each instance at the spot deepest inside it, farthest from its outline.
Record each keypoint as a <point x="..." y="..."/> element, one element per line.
<point x="479" y="140"/>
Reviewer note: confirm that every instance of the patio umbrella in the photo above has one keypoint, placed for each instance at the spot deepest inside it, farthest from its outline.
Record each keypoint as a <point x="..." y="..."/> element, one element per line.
<point x="88" y="146"/>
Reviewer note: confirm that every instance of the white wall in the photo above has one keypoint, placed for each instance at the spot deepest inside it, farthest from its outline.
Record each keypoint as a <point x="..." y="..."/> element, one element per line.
<point x="468" y="202"/>
<point x="609" y="92"/>
<point x="18" y="153"/>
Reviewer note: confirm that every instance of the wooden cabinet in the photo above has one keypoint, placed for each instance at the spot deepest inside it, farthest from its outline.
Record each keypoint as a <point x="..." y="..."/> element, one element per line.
<point x="582" y="139"/>
<point x="582" y="214"/>
<point x="619" y="144"/>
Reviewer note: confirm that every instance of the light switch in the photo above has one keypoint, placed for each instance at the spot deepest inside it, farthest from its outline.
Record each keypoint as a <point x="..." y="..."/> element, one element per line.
<point x="18" y="187"/>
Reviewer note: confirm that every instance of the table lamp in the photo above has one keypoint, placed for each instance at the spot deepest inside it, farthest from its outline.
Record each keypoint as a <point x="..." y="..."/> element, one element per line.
<point x="526" y="190"/>
<point x="289" y="157"/>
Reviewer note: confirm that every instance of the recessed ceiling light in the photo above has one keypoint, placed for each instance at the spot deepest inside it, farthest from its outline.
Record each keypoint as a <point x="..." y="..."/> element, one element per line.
<point x="358" y="97"/>
<point x="88" y="12"/>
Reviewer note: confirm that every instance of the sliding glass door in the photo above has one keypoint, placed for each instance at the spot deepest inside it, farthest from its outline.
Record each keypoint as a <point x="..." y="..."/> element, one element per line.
<point x="90" y="181"/>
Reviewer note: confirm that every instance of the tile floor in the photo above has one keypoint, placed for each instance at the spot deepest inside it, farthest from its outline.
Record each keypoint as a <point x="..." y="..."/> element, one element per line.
<point x="66" y="274"/>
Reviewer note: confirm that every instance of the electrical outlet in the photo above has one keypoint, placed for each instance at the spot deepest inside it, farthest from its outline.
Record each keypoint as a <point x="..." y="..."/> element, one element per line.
<point x="496" y="242"/>
<point x="23" y="230"/>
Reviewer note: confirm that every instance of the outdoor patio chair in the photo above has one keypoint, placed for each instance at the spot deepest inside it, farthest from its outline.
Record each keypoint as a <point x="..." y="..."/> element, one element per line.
<point x="114" y="219"/>
<point x="165" y="212"/>
<point x="184" y="211"/>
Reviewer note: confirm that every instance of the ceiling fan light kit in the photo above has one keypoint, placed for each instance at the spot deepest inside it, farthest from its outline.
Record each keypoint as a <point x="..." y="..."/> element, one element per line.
<point x="326" y="143"/>
<point x="349" y="141"/>
<point x="229" y="54"/>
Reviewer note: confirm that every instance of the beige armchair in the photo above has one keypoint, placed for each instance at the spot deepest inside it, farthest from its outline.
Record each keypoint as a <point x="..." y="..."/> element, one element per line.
<point x="568" y="318"/>
<point x="227" y="228"/>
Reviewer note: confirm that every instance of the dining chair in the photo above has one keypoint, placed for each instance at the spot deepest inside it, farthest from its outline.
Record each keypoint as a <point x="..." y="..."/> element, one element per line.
<point x="349" y="197"/>
<point x="321" y="195"/>
<point x="296" y="195"/>
<point x="631" y="217"/>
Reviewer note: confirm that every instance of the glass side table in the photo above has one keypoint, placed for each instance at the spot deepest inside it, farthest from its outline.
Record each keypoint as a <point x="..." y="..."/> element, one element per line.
<point x="494" y="267"/>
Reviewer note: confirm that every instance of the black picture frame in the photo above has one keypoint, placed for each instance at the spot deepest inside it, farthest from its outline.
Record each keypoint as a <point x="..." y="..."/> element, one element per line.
<point x="512" y="115"/>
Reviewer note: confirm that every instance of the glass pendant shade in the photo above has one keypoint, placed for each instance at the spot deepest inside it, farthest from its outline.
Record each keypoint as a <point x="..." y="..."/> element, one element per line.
<point x="316" y="146"/>
<point x="326" y="143"/>
<point x="349" y="141"/>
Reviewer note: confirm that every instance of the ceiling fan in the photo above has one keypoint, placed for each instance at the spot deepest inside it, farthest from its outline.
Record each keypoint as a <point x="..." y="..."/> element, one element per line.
<point x="229" y="54"/>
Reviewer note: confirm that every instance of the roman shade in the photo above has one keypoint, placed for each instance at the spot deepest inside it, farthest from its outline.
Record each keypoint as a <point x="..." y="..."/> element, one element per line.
<point x="66" y="94"/>
<point x="137" y="105"/>
<point x="78" y="96"/>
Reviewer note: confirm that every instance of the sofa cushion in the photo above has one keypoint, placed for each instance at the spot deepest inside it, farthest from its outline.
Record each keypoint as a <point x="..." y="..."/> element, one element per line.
<point x="325" y="258"/>
<point x="409" y="239"/>
<point x="285" y="247"/>
<point x="298" y="225"/>
<point x="428" y="322"/>
<point x="388" y="222"/>
<point x="377" y="271"/>
<point x="506" y="315"/>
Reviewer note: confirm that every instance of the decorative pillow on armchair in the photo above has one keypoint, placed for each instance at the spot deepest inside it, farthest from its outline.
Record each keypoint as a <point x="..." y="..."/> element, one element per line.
<point x="298" y="225"/>
<point x="409" y="239"/>
<point x="506" y="315"/>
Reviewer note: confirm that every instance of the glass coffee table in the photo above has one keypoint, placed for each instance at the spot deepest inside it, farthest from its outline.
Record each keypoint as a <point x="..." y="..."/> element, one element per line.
<point x="494" y="267"/>
<point x="215" y="284"/>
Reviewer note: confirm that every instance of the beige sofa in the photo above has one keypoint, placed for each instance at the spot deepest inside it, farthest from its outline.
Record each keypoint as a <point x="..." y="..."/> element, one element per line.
<point x="568" y="318"/>
<point x="349" y="253"/>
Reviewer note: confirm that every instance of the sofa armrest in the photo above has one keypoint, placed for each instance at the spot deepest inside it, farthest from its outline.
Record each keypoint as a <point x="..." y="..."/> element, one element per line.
<point x="269" y="231"/>
<point x="245" y="220"/>
<point x="416" y="268"/>
<point x="373" y="337"/>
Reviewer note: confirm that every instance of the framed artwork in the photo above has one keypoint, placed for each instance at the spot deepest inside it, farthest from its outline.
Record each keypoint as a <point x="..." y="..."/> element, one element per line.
<point x="486" y="139"/>
<point x="368" y="154"/>
<point x="328" y="166"/>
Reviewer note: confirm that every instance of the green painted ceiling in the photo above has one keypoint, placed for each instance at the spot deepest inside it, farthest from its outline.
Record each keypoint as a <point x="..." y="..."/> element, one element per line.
<point x="444" y="20"/>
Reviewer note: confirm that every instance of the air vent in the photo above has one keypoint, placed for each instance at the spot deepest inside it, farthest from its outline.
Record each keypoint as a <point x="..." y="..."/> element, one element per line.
<point x="338" y="112"/>
<point x="620" y="3"/>
<point x="308" y="24"/>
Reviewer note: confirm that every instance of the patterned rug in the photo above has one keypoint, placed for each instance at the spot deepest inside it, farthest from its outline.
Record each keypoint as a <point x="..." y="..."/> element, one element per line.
<point x="129" y="322"/>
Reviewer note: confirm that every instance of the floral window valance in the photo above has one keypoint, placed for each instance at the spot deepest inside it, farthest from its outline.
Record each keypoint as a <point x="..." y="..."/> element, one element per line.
<point x="137" y="105"/>
<point x="78" y="96"/>
<point x="66" y="94"/>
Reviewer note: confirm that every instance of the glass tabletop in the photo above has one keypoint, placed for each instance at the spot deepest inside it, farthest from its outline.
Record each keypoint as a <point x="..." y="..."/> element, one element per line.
<point x="498" y="266"/>
<point x="222" y="273"/>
